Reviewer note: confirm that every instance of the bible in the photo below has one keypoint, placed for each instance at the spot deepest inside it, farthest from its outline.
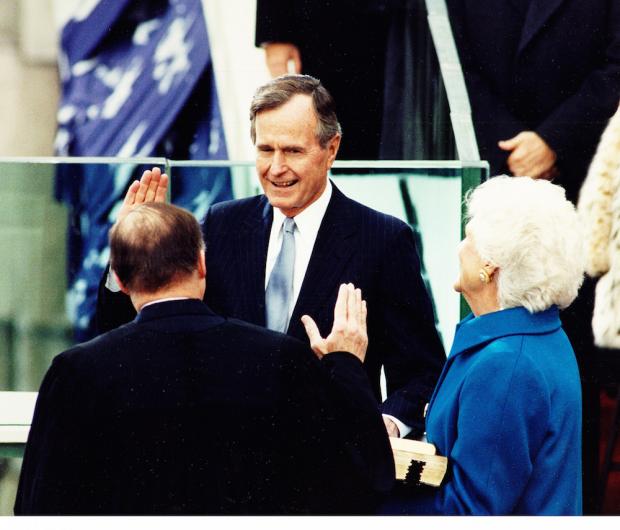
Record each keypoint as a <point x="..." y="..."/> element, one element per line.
<point x="417" y="463"/>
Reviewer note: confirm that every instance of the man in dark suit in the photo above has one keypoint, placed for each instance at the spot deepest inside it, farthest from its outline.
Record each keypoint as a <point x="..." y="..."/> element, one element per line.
<point x="341" y="42"/>
<point x="543" y="78"/>
<point x="183" y="411"/>
<point x="335" y="240"/>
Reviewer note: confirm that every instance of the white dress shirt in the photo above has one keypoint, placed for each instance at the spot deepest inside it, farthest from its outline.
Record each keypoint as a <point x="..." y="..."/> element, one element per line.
<point x="307" y="225"/>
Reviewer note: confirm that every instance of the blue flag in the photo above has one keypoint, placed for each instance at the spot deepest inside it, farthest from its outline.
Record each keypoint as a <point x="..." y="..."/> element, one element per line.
<point x="137" y="81"/>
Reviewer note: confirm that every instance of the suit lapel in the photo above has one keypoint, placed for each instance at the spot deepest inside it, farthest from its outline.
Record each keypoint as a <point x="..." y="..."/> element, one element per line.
<point x="251" y="252"/>
<point x="537" y="16"/>
<point x="332" y="250"/>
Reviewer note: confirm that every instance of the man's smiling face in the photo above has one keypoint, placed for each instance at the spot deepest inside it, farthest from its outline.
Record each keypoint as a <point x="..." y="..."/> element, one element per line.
<point x="290" y="163"/>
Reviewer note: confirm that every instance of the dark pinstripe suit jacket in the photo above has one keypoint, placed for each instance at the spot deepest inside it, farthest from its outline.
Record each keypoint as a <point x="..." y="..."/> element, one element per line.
<point x="374" y="251"/>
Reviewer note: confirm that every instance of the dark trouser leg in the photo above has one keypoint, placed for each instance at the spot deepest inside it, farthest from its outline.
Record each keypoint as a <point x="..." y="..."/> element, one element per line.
<point x="577" y="322"/>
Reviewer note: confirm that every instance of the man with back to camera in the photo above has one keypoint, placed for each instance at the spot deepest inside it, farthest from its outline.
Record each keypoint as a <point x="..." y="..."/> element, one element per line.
<point x="327" y="239"/>
<point x="185" y="412"/>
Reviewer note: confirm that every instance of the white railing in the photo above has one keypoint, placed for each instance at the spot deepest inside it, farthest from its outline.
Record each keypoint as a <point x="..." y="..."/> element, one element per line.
<point x="16" y="410"/>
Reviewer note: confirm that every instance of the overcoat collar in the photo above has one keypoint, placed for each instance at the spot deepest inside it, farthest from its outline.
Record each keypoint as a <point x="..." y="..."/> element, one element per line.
<point x="178" y="315"/>
<point x="474" y="332"/>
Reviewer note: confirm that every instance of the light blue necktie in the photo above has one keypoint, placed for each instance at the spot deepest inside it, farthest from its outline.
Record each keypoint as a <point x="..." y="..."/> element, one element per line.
<point x="279" y="293"/>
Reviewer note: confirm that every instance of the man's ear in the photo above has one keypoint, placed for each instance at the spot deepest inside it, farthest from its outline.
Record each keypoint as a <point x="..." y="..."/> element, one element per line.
<point x="202" y="265"/>
<point x="332" y="147"/>
<point x="119" y="283"/>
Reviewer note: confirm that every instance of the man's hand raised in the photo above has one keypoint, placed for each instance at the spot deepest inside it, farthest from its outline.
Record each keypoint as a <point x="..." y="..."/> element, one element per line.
<point x="151" y="187"/>
<point x="349" y="330"/>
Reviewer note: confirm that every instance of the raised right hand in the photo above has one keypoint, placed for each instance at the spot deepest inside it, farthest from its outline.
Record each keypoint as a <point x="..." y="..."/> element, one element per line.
<point x="349" y="330"/>
<point x="151" y="187"/>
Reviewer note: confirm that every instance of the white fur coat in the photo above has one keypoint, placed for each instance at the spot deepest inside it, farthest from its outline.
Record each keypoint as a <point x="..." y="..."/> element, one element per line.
<point x="599" y="209"/>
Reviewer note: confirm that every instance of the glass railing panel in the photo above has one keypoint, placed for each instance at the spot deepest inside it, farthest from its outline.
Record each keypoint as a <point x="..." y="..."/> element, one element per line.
<point x="425" y="194"/>
<point x="55" y="252"/>
<point x="55" y="216"/>
<point x="453" y="80"/>
<point x="32" y="283"/>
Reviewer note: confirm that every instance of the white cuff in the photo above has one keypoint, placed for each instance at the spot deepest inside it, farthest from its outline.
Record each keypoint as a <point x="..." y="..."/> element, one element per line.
<point x="403" y="430"/>
<point x="110" y="282"/>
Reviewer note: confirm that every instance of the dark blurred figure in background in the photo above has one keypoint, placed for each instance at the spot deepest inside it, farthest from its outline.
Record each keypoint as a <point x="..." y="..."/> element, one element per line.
<point x="377" y="58"/>
<point x="543" y="79"/>
<point x="341" y="43"/>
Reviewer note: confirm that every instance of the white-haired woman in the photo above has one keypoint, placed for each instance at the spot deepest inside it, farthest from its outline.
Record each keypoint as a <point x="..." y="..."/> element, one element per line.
<point x="506" y="410"/>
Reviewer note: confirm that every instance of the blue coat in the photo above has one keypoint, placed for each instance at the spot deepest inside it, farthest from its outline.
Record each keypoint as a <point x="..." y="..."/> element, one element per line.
<point x="507" y="413"/>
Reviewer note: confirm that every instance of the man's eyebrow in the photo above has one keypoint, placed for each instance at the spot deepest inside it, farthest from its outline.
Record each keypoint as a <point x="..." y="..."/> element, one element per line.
<point x="291" y="147"/>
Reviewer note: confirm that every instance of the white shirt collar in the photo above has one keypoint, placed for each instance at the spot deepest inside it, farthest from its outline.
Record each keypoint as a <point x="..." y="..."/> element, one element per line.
<point x="153" y="302"/>
<point x="307" y="224"/>
<point x="308" y="221"/>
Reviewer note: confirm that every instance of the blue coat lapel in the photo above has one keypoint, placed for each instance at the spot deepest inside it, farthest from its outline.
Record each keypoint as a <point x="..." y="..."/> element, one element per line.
<point x="476" y="332"/>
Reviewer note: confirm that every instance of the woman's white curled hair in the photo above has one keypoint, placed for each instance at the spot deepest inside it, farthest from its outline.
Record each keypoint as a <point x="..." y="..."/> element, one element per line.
<point x="530" y="231"/>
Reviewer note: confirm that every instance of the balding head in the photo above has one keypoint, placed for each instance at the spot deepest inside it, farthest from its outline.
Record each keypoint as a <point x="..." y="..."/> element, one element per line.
<point x="155" y="246"/>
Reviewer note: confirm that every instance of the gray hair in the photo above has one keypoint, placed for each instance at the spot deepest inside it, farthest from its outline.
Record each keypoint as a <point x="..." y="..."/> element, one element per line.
<point x="530" y="231"/>
<point x="278" y="91"/>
